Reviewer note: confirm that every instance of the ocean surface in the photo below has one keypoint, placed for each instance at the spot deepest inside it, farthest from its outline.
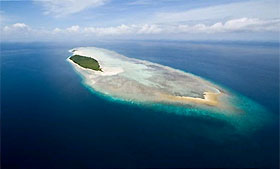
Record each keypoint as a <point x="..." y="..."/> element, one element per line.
<point x="50" y="119"/>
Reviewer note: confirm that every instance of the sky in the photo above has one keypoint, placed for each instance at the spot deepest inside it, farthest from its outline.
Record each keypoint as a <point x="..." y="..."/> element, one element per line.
<point x="89" y="20"/>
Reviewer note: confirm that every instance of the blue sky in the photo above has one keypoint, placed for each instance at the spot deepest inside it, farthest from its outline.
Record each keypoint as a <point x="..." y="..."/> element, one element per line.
<point x="63" y="20"/>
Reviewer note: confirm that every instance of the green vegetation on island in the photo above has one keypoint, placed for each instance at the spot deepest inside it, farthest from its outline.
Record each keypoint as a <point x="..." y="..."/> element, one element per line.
<point x="86" y="62"/>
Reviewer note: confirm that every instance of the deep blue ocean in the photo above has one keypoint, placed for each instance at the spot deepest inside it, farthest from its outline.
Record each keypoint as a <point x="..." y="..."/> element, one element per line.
<point x="49" y="119"/>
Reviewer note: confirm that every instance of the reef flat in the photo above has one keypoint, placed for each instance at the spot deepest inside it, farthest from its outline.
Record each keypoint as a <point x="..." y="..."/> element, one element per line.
<point x="142" y="81"/>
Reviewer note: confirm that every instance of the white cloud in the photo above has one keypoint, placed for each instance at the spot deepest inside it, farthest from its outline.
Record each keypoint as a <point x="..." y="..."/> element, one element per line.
<point x="149" y="29"/>
<point x="16" y="27"/>
<point x="57" y="30"/>
<point x="74" y="28"/>
<point x="252" y="24"/>
<point x="234" y="25"/>
<point x="20" y="25"/>
<point x="60" y="8"/>
<point x="16" y="32"/>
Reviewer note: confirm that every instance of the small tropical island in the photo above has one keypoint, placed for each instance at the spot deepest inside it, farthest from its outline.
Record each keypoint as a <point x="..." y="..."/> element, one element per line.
<point x="143" y="81"/>
<point x="86" y="62"/>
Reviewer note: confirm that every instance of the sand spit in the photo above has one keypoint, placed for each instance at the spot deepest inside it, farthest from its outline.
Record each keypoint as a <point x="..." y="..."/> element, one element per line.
<point x="210" y="99"/>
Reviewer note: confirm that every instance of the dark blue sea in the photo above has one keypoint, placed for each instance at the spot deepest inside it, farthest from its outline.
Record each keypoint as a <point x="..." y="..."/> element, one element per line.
<point x="49" y="119"/>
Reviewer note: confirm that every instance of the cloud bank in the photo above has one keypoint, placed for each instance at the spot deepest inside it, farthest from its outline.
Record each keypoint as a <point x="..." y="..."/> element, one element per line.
<point x="240" y="25"/>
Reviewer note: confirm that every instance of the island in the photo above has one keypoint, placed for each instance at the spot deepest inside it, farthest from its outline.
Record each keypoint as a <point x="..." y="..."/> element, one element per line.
<point x="86" y="62"/>
<point x="142" y="81"/>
